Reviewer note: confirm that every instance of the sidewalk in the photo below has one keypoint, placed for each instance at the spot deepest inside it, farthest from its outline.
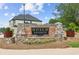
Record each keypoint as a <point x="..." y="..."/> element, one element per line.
<point x="65" y="51"/>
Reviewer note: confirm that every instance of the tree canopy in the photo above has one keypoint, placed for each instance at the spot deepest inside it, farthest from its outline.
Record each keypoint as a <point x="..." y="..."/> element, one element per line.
<point x="2" y="29"/>
<point x="69" y="12"/>
<point x="53" y="21"/>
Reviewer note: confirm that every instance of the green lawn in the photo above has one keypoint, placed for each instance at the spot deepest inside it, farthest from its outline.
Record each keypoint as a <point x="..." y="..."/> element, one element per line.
<point x="73" y="44"/>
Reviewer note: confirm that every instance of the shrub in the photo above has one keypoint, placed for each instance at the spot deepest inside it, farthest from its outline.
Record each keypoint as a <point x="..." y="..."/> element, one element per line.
<point x="72" y="26"/>
<point x="8" y="32"/>
<point x="36" y="41"/>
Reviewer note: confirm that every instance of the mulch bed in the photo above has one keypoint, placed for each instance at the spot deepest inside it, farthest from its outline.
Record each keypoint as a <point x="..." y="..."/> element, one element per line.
<point x="57" y="44"/>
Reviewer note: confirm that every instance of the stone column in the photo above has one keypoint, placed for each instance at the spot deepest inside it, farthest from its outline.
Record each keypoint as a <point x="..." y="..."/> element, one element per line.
<point x="51" y="30"/>
<point x="28" y="31"/>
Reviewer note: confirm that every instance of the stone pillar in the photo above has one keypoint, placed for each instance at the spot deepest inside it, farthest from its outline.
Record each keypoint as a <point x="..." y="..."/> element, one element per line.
<point x="59" y="31"/>
<point x="51" y="30"/>
<point x="28" y="31"/>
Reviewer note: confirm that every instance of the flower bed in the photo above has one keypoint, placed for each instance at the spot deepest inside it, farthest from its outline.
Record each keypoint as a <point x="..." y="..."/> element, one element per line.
<point x="38" y="41"/>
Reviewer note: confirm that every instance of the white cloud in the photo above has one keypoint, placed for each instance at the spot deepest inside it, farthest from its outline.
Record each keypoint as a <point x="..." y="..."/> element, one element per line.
<point x="53" y="17"/>
<point x="27" y="7"/>
<point x="1" y="5"/>
<point x="48" y="4"/>
<point x="17" y="13"/>
<point x="33" y="8"/>
<point x="6" y="14"/>
<point x="40" y="6"/>
<point x="5" y="7"/>
<point x="46" y="18"/>
<point x="12" y="14"/>
<point x="35" y="13"/>
<point x="56" y="12"/>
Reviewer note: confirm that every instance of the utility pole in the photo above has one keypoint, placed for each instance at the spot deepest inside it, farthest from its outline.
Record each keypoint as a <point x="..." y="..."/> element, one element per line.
<point x="24" y="17"/>
<point x="24" y="12"/>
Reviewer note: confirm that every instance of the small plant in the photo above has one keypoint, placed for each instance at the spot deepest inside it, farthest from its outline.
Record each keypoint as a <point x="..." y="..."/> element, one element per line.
<point x="36" y="41"/>
<point x="72" y="26"/>
<point x="71" y="30"/>
<point x="8" y="32"/>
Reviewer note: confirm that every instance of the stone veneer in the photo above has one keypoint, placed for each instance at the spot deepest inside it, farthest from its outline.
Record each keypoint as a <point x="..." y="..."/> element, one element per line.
<point x="51" y="30"/>
<point x="28" y="30"/>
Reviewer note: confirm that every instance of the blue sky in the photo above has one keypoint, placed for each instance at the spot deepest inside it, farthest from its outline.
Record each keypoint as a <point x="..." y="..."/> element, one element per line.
<point x="42" y="11"/>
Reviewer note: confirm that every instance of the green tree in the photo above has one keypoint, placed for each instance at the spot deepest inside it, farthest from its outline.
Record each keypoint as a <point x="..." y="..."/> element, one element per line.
<point x="69" y="13"/>
<point x="2" y="29"/>
<point x="53" y="21"/>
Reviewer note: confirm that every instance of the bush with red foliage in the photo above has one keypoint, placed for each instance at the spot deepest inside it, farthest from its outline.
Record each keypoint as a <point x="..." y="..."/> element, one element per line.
<point x="8" y="33"/>
<point x="70" y="33"/>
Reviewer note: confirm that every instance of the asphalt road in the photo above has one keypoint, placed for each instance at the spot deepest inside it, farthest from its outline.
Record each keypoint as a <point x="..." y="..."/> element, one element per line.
<point x="64" y="51"/>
